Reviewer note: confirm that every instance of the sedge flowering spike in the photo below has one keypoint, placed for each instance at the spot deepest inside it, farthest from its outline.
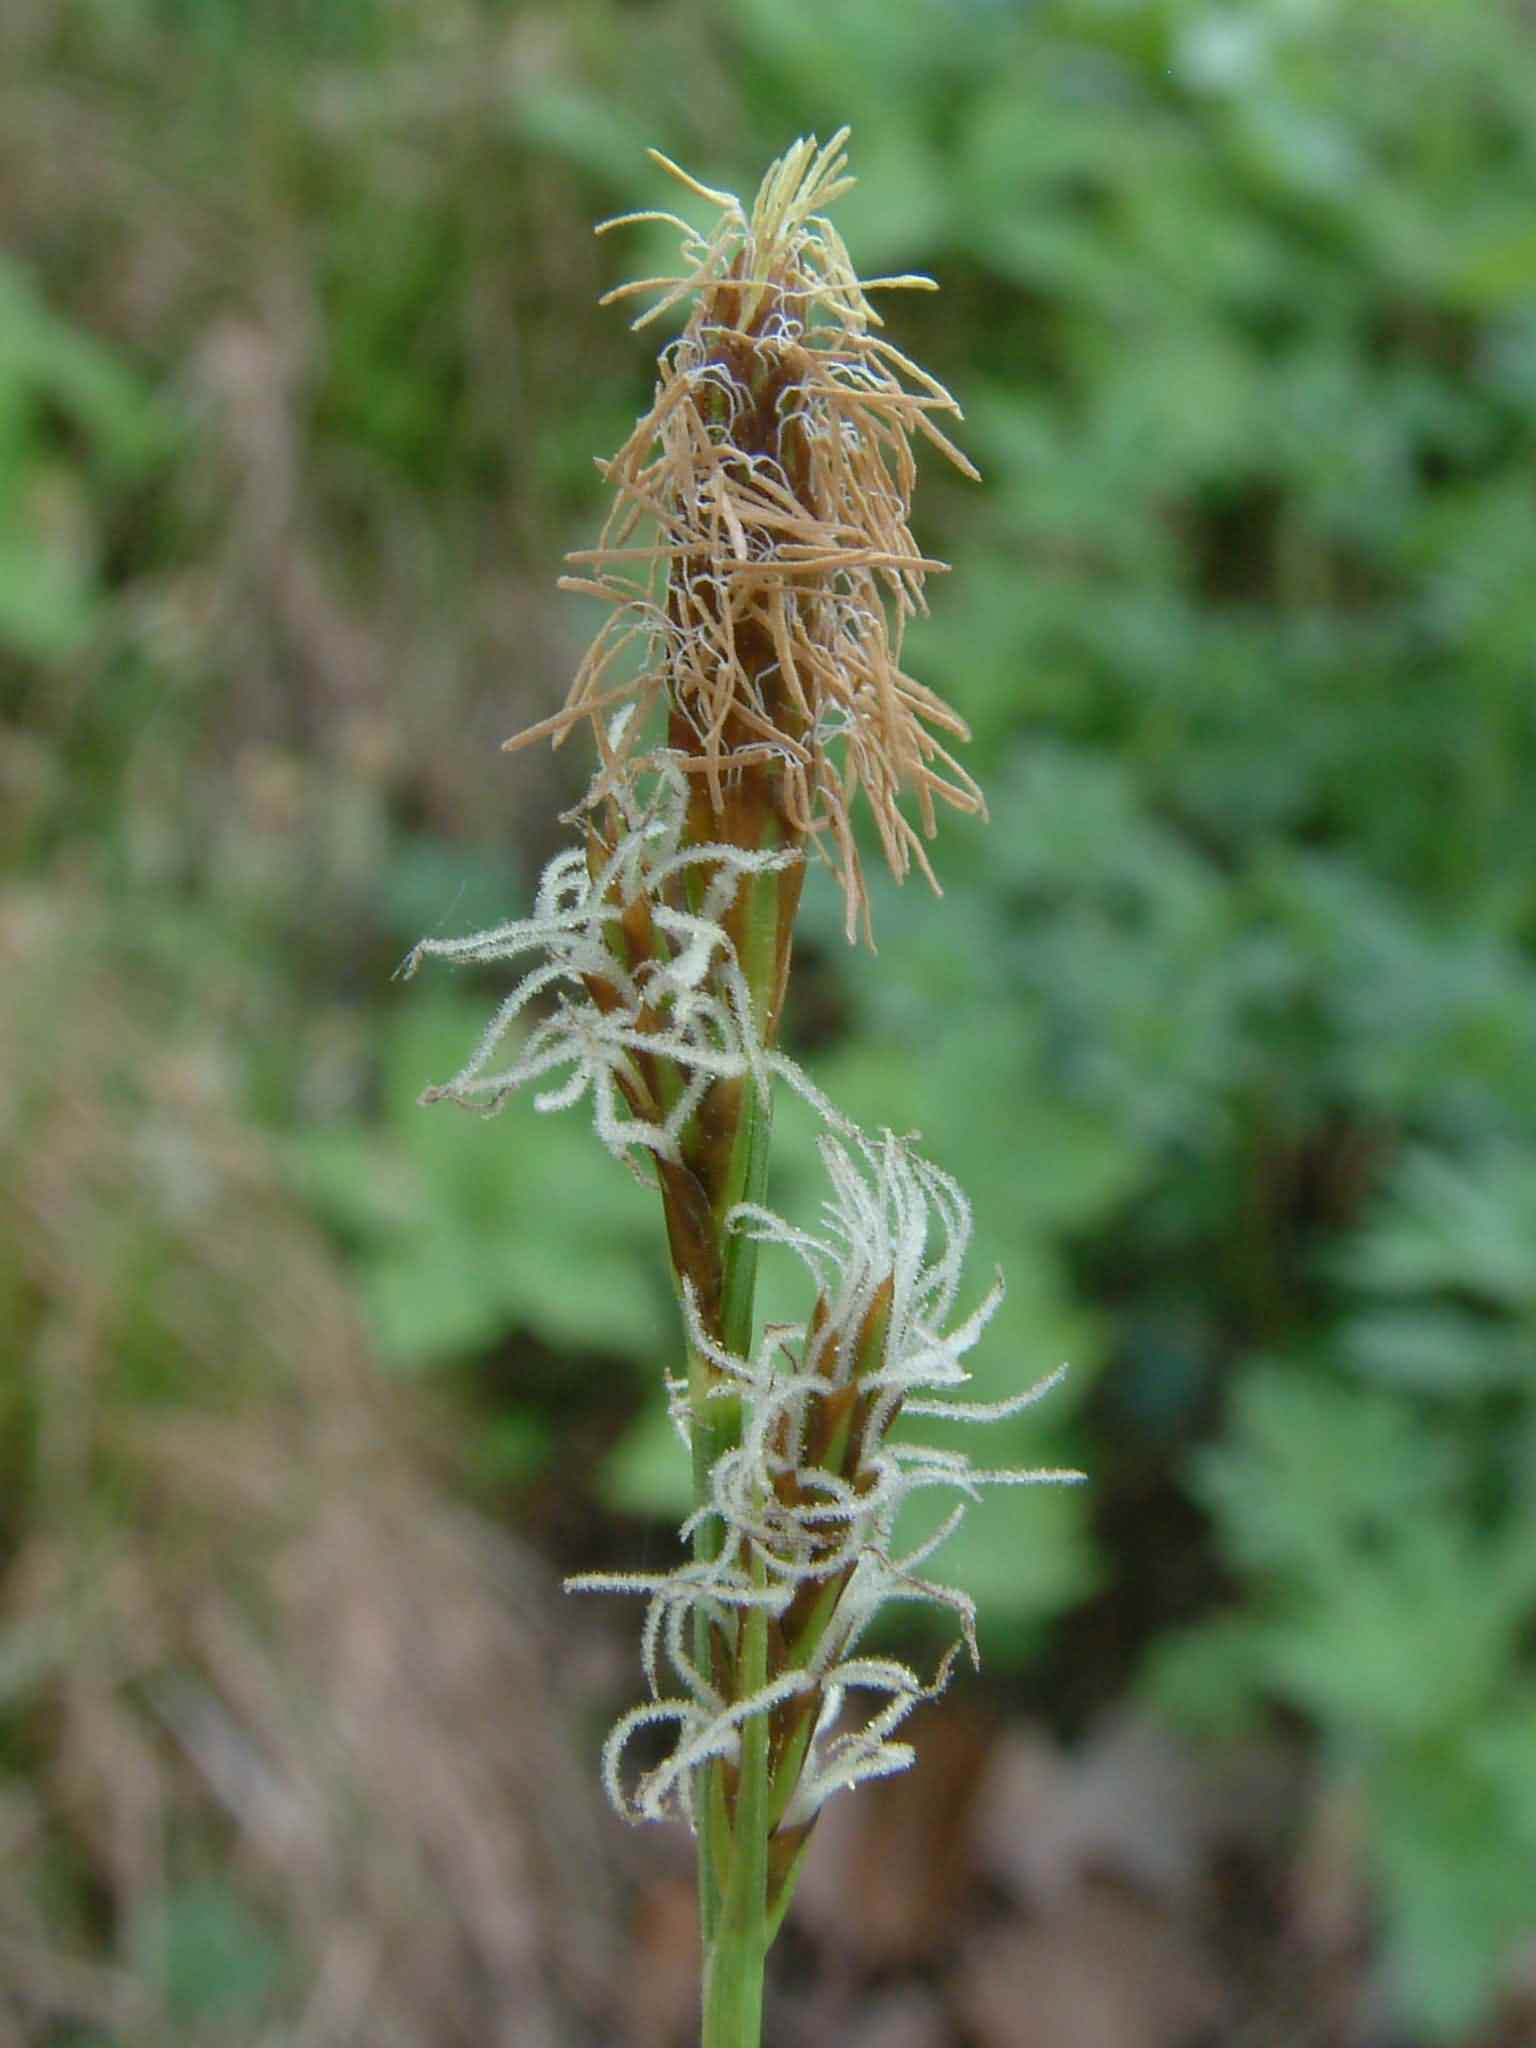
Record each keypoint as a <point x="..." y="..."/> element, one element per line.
<point x="759" y="561"/>
<point x="806" y="1503"/>
<point x="746" y="694"/>
<point x="646" y="1004"/>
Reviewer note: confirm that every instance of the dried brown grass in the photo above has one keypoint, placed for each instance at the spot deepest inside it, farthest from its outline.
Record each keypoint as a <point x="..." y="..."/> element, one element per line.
<point x="244" y="1634"/>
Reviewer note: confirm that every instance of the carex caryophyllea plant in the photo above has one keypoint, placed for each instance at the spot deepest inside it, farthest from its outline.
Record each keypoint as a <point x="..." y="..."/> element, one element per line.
<point x="743" y="693"/>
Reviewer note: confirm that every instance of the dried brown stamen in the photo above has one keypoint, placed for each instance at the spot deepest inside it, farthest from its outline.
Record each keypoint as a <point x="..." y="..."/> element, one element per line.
<point x="776" y="468"/>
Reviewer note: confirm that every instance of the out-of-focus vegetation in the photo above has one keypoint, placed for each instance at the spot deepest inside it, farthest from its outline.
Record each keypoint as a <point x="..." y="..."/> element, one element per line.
<point x="1227" y="1023"/>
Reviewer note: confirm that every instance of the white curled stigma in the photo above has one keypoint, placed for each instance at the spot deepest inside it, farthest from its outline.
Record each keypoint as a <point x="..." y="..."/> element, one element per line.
<point x="692" y="1007"/>
<point x="894" y="1227"/>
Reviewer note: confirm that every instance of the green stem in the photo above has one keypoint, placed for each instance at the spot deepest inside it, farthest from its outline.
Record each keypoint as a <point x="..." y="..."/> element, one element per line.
<point x="735" y="1958"/>
<point x="712" y="1434"/>
<point x="733" y="1824"/>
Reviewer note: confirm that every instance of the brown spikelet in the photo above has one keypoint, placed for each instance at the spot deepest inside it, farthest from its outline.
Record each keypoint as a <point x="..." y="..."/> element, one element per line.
<point x="758" y="559"/>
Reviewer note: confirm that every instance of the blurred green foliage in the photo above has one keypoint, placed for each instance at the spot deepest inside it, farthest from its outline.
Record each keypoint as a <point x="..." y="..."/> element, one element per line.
<point x="1227" y="1021"/>
<point x="463" y="1228"/>
<point x="73" y="420"/>
<point x="215" y="1962"/>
